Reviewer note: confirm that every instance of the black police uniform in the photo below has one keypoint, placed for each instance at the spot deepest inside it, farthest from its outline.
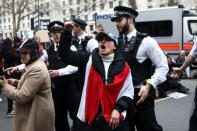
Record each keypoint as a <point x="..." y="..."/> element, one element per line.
<point x="140" y="72"/>
<point x="65" y="93"/>
<point x="80" y="47"/>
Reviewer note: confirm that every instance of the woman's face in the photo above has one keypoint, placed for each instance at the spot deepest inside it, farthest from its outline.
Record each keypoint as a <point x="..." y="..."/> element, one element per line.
<point x="25" y="57"/>
<point x="106" y="46"/>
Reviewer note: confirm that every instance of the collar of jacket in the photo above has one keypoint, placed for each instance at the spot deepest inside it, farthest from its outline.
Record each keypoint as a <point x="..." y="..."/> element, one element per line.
<point x="30" y="65"/>
<point x="115" y="68"/>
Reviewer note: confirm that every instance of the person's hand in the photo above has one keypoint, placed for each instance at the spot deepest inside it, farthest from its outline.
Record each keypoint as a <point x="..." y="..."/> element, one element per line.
<point x="13" y="82"/>
<point x="115" y="118"/>
<point x="68" y="26"/>
<point x="3" y="81"/>
<point x="11" y="70"/>
<point x="144" y="90"/>
<point x="176" y="73"/>
<point x="53" y="73"/>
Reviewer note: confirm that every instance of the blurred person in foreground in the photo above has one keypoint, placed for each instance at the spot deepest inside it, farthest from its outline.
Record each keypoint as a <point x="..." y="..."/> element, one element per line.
<point x="107" y="90"/>
<point x="10" y="59"/>
<point x="1" y="62"/>
<point x="34" y="105"/>
<point x="177" y="73"/>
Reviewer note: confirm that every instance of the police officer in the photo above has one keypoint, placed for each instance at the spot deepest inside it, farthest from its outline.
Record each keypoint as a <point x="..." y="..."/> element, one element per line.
<point x="177" y="73"/>
<point x="64" y="90"/>
<point x="82" y="40"/>
<point x="141" y="52"/>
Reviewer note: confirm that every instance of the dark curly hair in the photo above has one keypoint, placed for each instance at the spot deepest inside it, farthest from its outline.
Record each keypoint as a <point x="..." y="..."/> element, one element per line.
<point x="35" y="53"/>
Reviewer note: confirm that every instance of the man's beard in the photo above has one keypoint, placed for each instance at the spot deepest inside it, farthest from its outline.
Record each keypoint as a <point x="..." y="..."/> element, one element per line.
<point x="125" y="28"/>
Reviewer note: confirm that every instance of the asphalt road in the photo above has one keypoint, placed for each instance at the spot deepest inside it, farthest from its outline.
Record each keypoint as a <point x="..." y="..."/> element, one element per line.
<point x="172" y="114"/>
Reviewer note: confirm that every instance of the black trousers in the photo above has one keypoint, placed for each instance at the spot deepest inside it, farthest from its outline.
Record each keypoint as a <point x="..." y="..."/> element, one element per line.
<point x="100" y="124"/>
<point x="144" y="119"/>
<point x="193" y="119"/>
<point x="1" y="73"/>
<point x="66" y="100"/>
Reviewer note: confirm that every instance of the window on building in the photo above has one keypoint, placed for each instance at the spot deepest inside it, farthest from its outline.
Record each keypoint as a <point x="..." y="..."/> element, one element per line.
<point x="64" y="12"/>
<point x="93" y="17"/>
<point x="102" y="6"/>
<point x="9" y="27"/>
<point x="85" y="8"/>
<point x="155" y="28"/>
<point x="10" y="34"/>
<point x="70" y="2"/>
<point x="93" y="7"/>
<point x="9" y="20"/>
<point x="85" y="1"/>
<point x="29" y="25"/>
<point x="6" y="35"/>
<point x="162" y="5"/>
<point x="78" y="10"/>
<point x="4" y="20"/>
<point x="41" y="6"/>
<point x="86" y="17"/>
<point x="28" y="9"/>
<point x="47" y="5"/>
<point x="73" y="17"/>
<point x="4" y="27"/>
<point x="23" y="25"/>
<point x="111" y="4"/>
<point x="47" y="13"/>
<point x="64" y="4"/>
<point x="0" y="21"/>
<point x="150" y="6"/>
<point x="41" y="14"/>
<point x="71" y="11"/>
<point x="150" y="0"/>
<point x="91" y="27"/>
<point x="120" y="3"/>
<point x="78" y="1"/>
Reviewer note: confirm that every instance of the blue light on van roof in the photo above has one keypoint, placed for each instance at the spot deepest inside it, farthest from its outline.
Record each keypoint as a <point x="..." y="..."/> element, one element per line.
<point x="181" y="6"/>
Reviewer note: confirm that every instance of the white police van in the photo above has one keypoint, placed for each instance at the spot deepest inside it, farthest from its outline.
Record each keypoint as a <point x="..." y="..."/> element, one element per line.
<point x="172" y="27"/>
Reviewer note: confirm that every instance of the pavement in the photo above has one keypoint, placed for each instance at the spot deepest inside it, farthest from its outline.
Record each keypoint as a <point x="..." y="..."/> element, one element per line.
<point x="172" y="114"/>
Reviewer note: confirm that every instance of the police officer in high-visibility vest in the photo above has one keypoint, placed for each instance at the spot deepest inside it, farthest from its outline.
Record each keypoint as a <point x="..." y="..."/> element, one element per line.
<point x="65" y="93"/>
<point x="141" y="52"/>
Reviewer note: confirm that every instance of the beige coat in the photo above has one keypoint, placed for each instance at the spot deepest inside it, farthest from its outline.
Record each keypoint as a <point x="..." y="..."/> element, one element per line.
<point x="34" y="105"/>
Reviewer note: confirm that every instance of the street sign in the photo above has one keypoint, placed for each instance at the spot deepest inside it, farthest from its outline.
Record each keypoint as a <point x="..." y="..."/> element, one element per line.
<point x="36" y="20"/>
<point x="44" y="23"/>
<point x="1" y="31"/>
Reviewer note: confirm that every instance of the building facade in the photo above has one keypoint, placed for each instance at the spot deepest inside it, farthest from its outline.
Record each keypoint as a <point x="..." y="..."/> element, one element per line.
<point x="65" y="10"/>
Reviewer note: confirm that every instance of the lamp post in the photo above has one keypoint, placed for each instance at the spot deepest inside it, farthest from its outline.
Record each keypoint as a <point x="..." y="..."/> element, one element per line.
<point x="38" y="14"/>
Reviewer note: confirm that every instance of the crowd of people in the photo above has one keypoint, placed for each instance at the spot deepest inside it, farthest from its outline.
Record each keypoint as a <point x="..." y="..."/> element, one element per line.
<point x="102" y="81"/>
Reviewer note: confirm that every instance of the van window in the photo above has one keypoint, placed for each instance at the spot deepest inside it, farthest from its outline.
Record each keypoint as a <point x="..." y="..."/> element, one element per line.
<point x="155" y="28"/>
<point x="192" y="24"/>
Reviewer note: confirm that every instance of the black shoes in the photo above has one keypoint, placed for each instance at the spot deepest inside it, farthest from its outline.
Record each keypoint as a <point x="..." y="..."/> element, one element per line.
<point x="182" y="89"/>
